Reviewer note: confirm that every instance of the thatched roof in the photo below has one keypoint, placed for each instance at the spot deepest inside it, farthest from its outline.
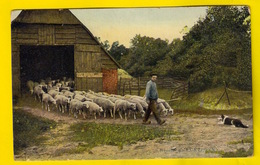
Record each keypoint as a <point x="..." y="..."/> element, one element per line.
<point x="48" y="16"/>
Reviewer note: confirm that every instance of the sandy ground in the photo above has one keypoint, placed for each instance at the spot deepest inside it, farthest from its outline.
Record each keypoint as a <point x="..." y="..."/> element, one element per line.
<point x="201" y="136"/>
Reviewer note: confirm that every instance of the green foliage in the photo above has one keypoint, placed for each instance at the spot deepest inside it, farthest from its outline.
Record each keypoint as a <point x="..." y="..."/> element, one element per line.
<point x="105" y="44"/>
<point x="93" y="134"/>
<point x="216" y="49"/>
<point x="27" y="129"/>
<point x="144" y="54"/>
<point x="117" y="51"/>
<point x="207" y="100"/>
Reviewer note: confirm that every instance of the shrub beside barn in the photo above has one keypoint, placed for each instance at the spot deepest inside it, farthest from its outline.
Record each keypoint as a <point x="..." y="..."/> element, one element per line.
<point x="54" y="43"/>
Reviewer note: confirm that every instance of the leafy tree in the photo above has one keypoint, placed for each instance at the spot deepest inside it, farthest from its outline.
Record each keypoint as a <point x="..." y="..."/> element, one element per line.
<point x="144" y="54"/>
<point x="104" y="44"/>
<point x="117" y="50"/>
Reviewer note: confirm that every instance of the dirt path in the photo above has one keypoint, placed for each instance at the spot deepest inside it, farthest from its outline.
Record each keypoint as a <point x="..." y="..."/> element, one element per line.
<point x="201" y="136"/>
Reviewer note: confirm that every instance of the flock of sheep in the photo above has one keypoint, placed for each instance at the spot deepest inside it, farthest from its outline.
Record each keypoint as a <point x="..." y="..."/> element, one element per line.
<point x="66" y="100"/>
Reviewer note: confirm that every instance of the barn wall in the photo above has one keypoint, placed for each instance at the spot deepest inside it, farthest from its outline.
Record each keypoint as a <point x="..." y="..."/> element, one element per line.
<point x="89" y="57"/>
<point x="110" y="79"/>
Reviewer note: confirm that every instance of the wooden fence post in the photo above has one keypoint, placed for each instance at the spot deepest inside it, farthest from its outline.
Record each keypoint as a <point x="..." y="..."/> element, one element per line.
<point x="139" y="92"/>
<point x="123" y="88"/>
<point x="130" y="86"/>
<point x="119" y="86"/>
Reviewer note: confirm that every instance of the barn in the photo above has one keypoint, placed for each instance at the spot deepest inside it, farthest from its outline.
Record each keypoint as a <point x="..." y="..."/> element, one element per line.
<point x="54" y="43"/>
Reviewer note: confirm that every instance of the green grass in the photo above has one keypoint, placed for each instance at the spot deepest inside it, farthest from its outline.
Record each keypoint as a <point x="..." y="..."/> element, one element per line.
<point x="207" y="100"/>
<point x="163" y="93"/>
<point x="92" y="134"/>
<point x="27" y="100"/>
<point x="249" y="139"/>
<point x="28" y="128"/>
<point x="241" y="152"/>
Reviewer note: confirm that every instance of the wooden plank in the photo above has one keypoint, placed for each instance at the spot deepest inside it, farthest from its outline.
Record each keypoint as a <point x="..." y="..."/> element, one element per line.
<point x="28" y="30"/>
<point x="64" y="41"/>
<point x="90" y="75"/>
<point x="108" y="62"/>
<point x="27" y="35"/>
<point x="83" y="35"/>
<point x="14" y="35"/>
<point x="90" y="83"/>
<point x="66" y="26"/>
<point x="65" y="35"/>
<point x="100" y="84"/>
<point x="109" y="66"/>
<point x="80" y="29"/>
<point x="84" y="83"/>
<point x="85" y="41"/>
<point x="88" y="62"/>
<point x="78" y="83"/>
<point x="27" y="41"/>
<point x="65" y="30"/>
<point x="15" y="48"/>
<point x="89" y="48"/>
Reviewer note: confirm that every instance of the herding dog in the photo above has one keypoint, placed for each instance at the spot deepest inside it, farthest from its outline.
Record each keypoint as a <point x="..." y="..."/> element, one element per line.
<point x="231" y="121"/>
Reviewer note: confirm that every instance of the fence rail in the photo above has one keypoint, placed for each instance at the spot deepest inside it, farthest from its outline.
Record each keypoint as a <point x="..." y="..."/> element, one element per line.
<point x="133" y="86"/>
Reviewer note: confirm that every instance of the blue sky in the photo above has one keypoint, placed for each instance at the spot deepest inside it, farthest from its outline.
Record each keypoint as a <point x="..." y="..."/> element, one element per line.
<point x="123" y="24"/>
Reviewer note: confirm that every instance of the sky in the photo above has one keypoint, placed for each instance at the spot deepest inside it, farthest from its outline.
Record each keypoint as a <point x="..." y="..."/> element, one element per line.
<point x="123" y="24"/>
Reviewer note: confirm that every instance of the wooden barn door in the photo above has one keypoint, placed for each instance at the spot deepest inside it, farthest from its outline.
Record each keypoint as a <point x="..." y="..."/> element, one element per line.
<point x="88" y="74"/>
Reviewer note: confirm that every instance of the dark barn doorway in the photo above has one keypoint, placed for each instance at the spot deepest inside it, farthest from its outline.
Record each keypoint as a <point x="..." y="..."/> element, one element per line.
<point x="42" y="62"/>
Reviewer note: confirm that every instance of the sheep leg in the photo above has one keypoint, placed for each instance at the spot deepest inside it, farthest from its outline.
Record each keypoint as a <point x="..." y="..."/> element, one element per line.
<point x="63" y="108"/>
<point x="111" y="113"/>
<point x="120" y="114"/>
<point x="75" y="113"/>
<point x="134" y="115"/>
<point x="48" y="107"/>
<point x="125" y="115"/>
<point x="114" y="112"/>
<point x="105" y="113"/>
<point x="84" y="115"/>
<point x="95" y="115"/>
<point x="129" y="114"/>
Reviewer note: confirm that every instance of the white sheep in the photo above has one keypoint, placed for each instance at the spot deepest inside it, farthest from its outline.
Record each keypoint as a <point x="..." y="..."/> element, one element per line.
<point x="76" y="106"/>
<point x="123" y="106"/>
<point x="30" y="85"/>
<point x="62" y="102"/>
<point x="161" y="108"/>
<point x="46" y="99"/>
<point x="82" y="98"/>
<point x="68" y="94"/>
<point x="106" y="104"/>
<point x="142" y="102"/>
<point x="38" y="92"/>
<point x="167" y="106"/>
<point x="93" y="109"/>
<point x="53" y="93"/>
<point x="139" y="107"/>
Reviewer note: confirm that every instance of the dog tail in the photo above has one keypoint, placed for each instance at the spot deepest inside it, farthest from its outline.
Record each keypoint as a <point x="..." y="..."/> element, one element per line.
<point x="244" y="126"/>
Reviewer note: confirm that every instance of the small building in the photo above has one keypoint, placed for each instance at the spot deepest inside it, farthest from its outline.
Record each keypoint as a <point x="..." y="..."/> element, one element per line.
<point x="54" y="43"/>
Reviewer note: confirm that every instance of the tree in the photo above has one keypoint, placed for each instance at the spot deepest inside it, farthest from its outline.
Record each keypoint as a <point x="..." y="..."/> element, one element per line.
<point x="117" y="50"/>
<point x="144" y="54"/>
<point x="104" y="44"/>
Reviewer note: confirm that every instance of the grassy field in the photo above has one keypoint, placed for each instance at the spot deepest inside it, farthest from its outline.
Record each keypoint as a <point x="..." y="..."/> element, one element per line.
<point x="28" y="128"/>
<point x="207" y="100"/>
<point x="93" y="134"/>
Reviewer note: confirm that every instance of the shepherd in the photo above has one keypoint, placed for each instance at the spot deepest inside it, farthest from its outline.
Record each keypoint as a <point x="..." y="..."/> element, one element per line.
<point x="151" y="95"/>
